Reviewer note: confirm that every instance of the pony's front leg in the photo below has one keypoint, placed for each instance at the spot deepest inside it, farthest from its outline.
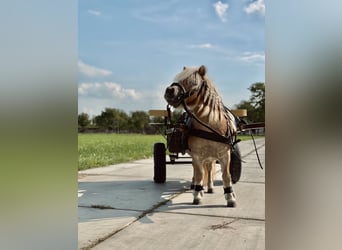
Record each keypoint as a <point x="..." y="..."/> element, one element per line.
<point x="227" y="182"/>
<point x="198" y="183"/>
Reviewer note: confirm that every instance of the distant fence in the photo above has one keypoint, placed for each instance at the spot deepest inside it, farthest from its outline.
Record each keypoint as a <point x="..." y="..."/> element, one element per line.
<point x="147" y="130"/>
<point x="95" y="130"/>
<point x="258" y="131"/>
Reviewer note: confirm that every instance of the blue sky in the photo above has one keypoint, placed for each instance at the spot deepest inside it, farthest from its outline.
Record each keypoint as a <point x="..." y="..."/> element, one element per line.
<point x="130" y="51"/>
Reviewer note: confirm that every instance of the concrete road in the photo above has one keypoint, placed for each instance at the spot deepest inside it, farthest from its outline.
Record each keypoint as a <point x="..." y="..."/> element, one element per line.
<point x="120" y="207"/>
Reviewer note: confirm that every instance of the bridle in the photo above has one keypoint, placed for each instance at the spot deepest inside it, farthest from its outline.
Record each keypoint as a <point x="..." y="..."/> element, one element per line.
<point x="186" y="94"/>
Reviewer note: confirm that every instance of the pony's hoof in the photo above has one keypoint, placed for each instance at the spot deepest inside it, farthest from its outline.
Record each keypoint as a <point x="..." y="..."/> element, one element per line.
<point x="210" y="190"/>
<point x="231" y="204"/>
<point x="196" y="201"/>
<point x="192" y="186"/>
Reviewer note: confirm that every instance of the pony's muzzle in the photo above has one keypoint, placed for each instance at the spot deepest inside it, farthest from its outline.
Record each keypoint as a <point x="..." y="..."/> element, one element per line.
<point x="170" y="92"/>
<point x="172" y="95"/>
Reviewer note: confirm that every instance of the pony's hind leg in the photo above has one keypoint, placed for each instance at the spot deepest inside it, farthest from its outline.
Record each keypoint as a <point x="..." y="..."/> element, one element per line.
<point x="227" y="183"/>
<point x="230" y="196"/>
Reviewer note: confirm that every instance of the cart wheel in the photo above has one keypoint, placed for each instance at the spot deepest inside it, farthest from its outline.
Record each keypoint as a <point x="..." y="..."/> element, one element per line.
<point x="159" y="163"/>
<point x="235" y="164"/>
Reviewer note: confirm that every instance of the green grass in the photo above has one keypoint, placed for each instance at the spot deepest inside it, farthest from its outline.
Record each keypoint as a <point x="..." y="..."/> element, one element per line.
<point x="97" y="150"/>
<point x="248" y="137"/>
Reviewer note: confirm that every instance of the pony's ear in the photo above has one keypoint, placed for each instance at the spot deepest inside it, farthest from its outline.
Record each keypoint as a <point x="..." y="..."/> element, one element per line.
<point x="202" y="70"/>
<point x="184" y="68"/>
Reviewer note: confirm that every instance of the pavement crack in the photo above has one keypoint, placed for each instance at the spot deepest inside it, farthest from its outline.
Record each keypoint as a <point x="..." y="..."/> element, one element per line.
<point x="101" y="207"/>
<point x="223" y="225"/>
<point x="156" y="206"/>
<point x="215" y="216"/>
<point x="143" y="214"/>
<point x="109" y="207"/>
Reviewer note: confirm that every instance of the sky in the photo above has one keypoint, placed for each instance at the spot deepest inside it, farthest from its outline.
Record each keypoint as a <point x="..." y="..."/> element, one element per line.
<point x="130" y="51"/>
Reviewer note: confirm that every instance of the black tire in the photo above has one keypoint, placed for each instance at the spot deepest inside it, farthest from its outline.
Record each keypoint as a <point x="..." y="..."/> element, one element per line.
<point x="159" y="163"/>
<point x="235" y="164"/>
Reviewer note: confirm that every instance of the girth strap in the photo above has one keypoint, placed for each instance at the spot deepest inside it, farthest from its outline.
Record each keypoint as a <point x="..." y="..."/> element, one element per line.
<point x="211" y="136"/>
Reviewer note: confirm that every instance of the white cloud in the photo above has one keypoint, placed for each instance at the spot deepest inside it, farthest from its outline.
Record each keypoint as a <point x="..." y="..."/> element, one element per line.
<point x="252" y="57"/>
<point x="84" y="88"/>
<point x="201" y="46"/>
<point x="106" y="90"/>
<point x="91" y="70"/>
<point x="221" y="10"/>
<point x="117" y="90"/>
<point x="94" y="97"/>
<point x="94" y="12"/>
<point x="257" y="6"/>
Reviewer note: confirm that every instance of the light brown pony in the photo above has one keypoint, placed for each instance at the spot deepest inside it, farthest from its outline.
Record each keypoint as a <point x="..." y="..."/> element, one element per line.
<point x="196" y="93"/>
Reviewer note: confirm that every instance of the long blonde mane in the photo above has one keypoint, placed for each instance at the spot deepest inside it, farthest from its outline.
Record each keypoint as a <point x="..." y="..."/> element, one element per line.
<point x="211" y="97"/>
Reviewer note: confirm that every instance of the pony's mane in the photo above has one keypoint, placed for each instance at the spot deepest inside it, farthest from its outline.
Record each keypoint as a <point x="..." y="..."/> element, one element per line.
<point x="211" y="94"/>
<point x="188" y="71"/>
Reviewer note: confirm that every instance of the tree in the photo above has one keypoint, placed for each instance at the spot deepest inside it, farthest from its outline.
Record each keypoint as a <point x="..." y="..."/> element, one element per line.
<point x="256" y="104"/>
<point x="138" y="121"/>
<point x="258" y="95"/>
<point x="113" y="119"/>
<point x="83" y="120"/>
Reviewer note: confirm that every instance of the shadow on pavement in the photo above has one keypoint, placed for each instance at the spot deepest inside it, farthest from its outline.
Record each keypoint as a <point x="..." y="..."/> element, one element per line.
<point x="109" y="199"/>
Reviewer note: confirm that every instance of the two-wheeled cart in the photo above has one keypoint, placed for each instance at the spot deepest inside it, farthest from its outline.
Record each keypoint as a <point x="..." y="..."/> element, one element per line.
<point x="176" y="144"/>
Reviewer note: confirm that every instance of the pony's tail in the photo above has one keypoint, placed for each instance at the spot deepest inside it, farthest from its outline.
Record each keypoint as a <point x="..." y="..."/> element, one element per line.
<point x="205" y="175"/>
<point x="208" y="166"/>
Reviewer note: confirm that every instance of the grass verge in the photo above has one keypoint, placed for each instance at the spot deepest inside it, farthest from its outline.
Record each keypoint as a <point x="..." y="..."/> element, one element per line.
<point x="96" y="150"/>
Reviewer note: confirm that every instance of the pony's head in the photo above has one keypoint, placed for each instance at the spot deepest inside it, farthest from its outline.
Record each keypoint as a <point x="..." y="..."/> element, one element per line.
<point x="185" y="84"/>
